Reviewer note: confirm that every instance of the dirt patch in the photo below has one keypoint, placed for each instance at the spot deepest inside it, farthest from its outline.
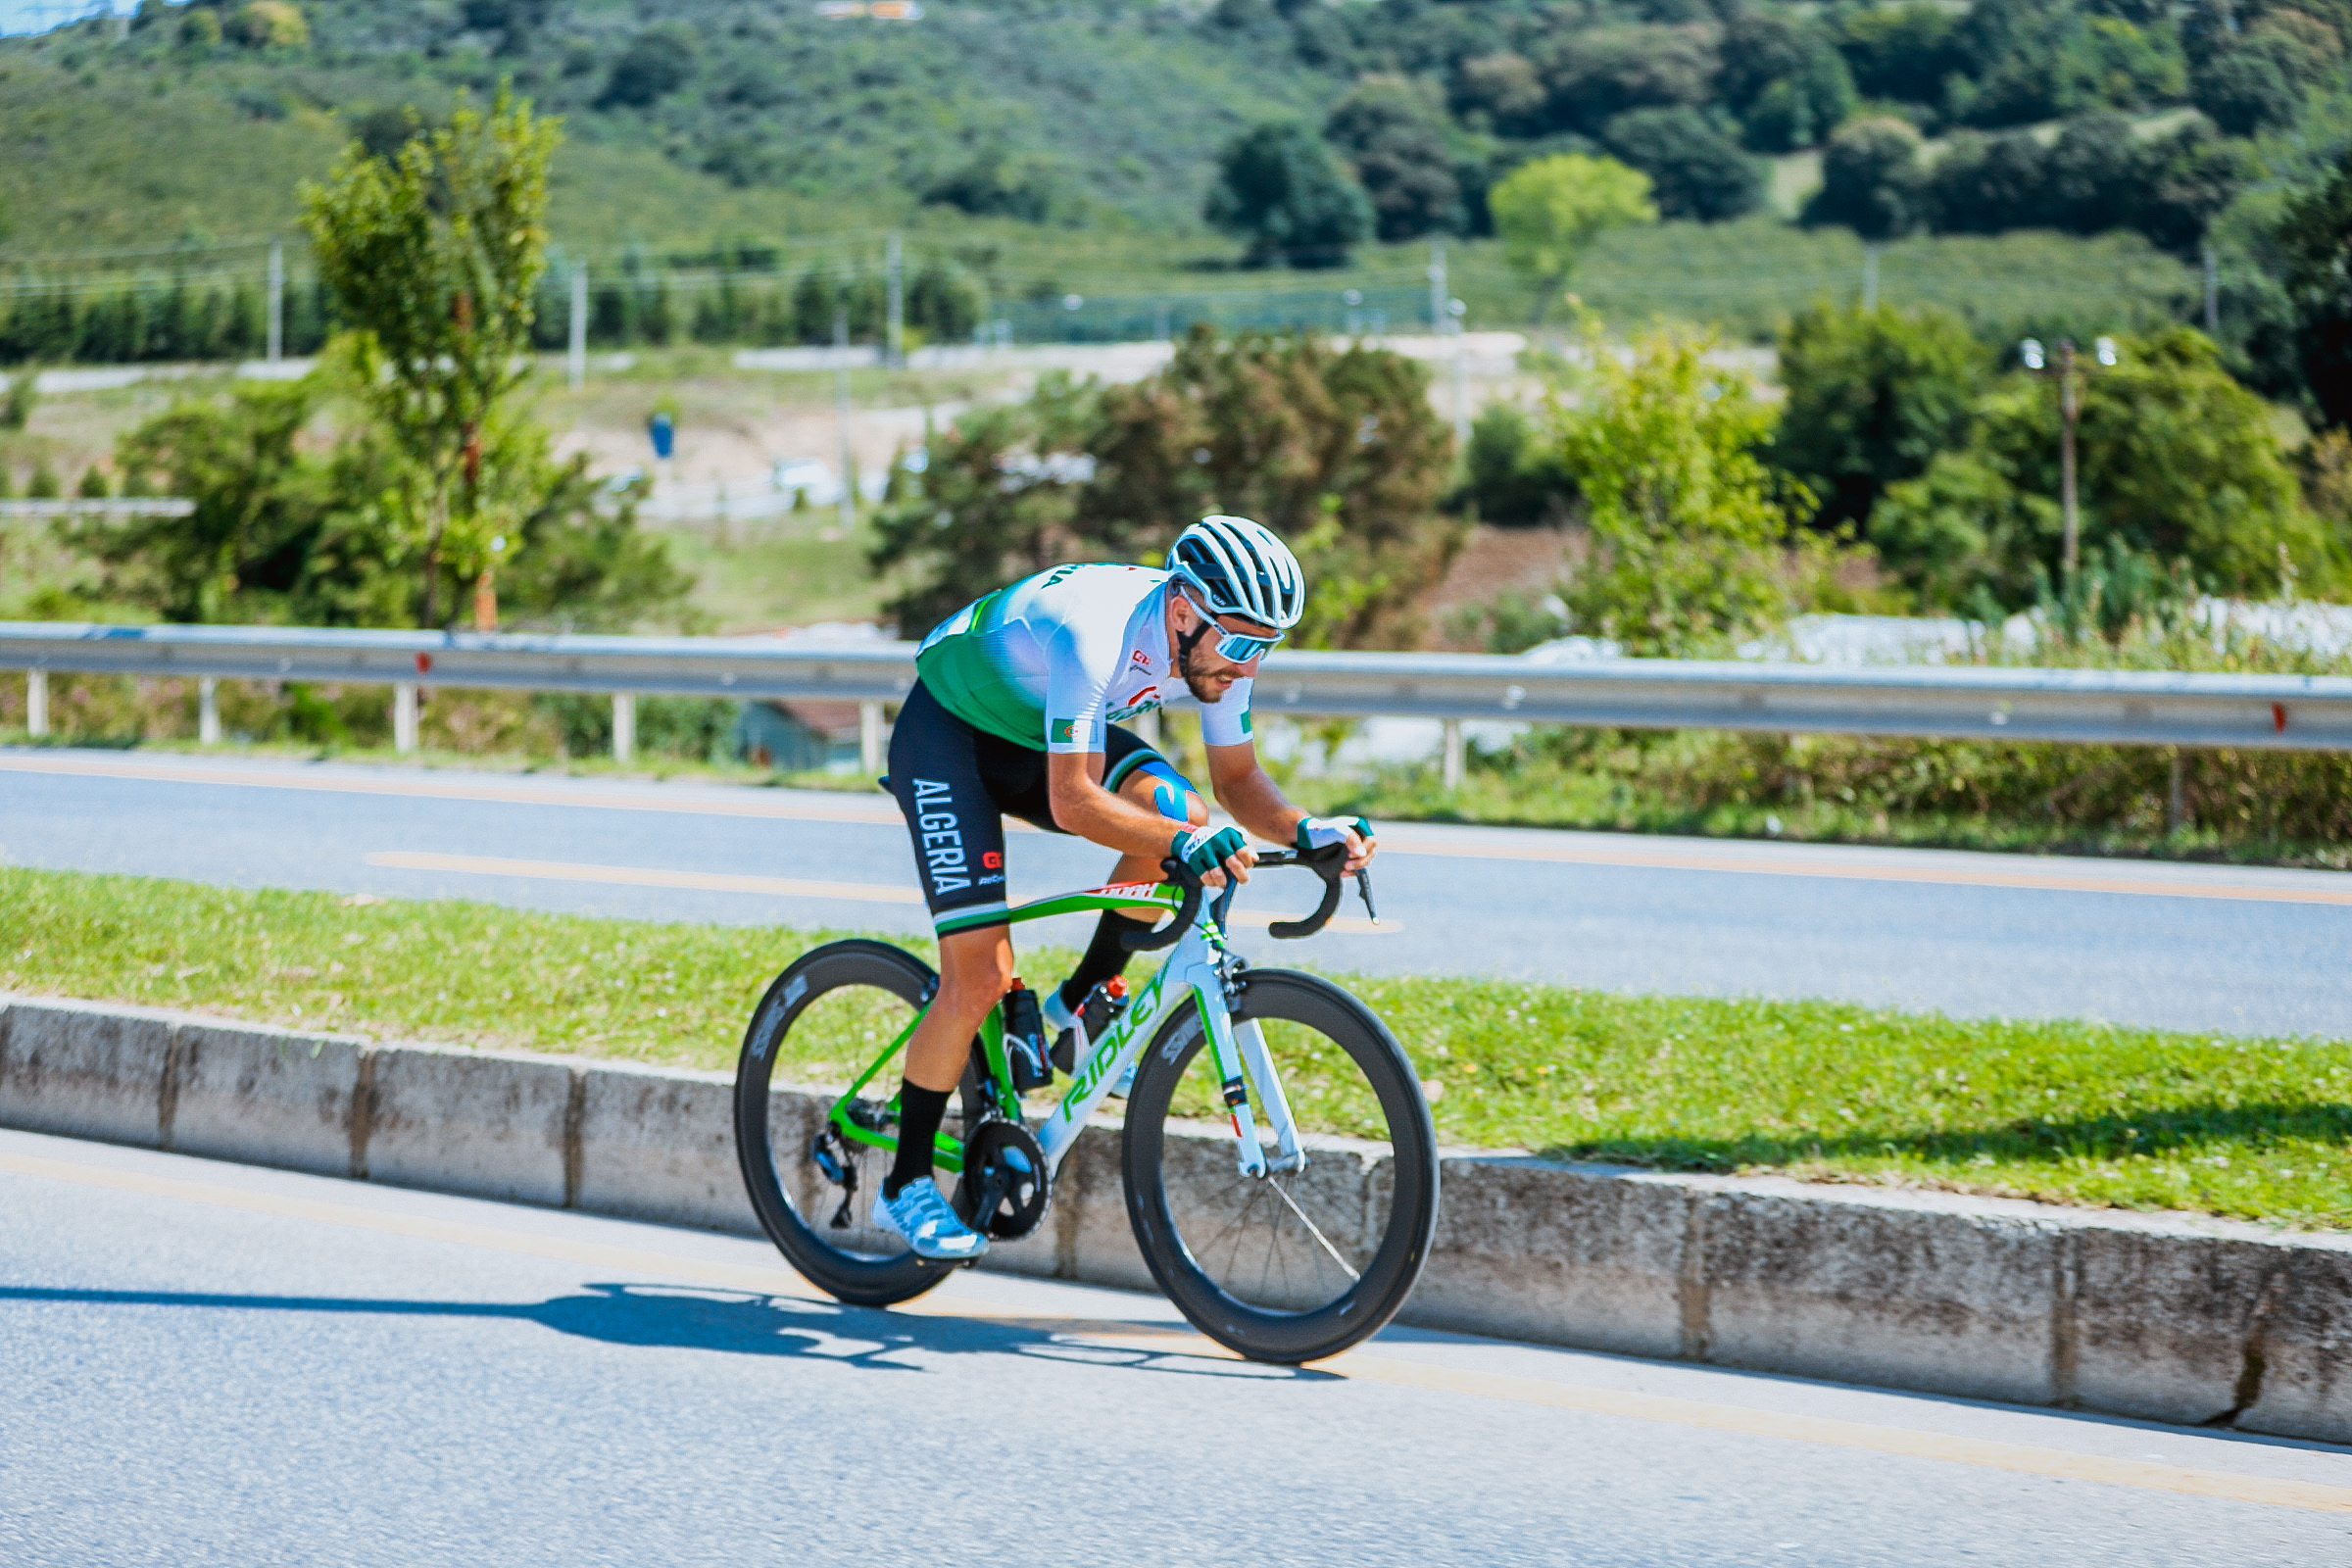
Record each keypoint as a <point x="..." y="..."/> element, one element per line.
<point x="1495" y="562"/>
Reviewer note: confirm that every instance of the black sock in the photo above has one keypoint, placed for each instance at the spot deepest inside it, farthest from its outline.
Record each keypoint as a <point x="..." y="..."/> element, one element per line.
<point x="920" y="1111"/>
<point x="1105" y="956"/>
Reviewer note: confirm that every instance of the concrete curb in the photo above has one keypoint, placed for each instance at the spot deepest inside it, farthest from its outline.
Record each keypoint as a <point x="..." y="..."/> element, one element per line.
<point x="2165" y="1317"/>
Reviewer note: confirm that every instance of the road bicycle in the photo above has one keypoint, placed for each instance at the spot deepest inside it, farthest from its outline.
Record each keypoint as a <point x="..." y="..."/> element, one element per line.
<point x="1280" y="1165"/>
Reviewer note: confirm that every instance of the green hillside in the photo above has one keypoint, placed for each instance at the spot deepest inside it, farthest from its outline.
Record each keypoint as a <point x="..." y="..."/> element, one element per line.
<point x="721" y="153"/>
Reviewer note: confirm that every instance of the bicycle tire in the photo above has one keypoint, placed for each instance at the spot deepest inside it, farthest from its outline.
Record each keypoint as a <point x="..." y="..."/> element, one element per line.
<point x="1176" y="1214"/>
<point x="860" y="1278"/>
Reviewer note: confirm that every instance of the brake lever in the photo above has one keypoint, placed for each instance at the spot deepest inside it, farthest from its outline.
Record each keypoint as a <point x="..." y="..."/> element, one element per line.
<point x="1363" y="888"/>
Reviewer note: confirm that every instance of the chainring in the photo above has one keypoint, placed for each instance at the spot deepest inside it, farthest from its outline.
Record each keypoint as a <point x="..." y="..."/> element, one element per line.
<point x="1005" y="1176"/>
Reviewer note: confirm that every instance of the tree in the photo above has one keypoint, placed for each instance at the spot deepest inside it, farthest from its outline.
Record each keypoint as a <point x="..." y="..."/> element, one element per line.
<point x="1694" y="170"/>
<point x="1338" y="451"/>
<point x="994" y="504"/>
<point x="1512" y="472"/>
<point x="2178" y="463"/>
<point x="1783" y="79"/>
<point x="1397" y="145"/>
<point x="656" y="63"/>
<point x="1550" y="211"/>
<point x="2244" y="91"/>
<point x="261" y="503"/>
<point x="1901" y="54"/>
<point x="1687" y="520"/>
<point x="1279" y="188"/>
<point x="1597" y="74"/>
<point x="1983" y="185"/>
<point x="434" y="258"/>
<point x="1872" y="180"/>
<point x="1873" y="396"/>
<point x="284" y="533"/>
<point x="2314" y="239"/>
<point x="1500" y="93"/>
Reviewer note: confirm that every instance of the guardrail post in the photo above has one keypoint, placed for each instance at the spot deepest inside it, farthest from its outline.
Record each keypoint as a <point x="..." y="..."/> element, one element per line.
<point x="1453" y="753"/>
<point x="207" y="711"/>
<point x="869" y="738"/>
<point x="37" y="702"/>
<point x="404" y="716"/>
<point x="624" y="726"/>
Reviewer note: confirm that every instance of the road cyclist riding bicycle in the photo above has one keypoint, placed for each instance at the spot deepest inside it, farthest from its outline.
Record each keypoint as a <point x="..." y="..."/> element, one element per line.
<point x="1276" y="1151"/>
<point x="1017" y="710"/>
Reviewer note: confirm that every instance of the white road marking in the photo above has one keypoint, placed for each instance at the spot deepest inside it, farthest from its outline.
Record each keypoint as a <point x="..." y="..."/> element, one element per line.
<point x="726" y="882"/>
<point x="1630" y="850"/>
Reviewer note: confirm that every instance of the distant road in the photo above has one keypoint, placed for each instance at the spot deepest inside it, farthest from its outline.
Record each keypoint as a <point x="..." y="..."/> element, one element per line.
<point x="213" y="1366"/>
<point x="2206" y="948"/>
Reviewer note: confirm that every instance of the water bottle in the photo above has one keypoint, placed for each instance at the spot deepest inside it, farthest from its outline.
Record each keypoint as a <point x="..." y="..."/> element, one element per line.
<point x="1025" y="1040"/>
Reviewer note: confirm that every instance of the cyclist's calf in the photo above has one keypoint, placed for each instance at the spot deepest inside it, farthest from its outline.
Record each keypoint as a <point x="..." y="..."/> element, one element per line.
<point x="975" y="970"/>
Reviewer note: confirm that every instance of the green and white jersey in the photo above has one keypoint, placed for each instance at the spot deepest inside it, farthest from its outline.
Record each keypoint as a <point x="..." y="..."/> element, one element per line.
<point x="1054" y="660"/>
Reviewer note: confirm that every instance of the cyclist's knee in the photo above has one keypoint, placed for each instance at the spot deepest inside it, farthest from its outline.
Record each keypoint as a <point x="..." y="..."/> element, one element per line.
<point x="976" y="963"/>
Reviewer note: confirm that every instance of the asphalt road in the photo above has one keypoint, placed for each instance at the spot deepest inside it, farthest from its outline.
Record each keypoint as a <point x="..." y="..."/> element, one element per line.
<point x="213" y="1364"/>
<point x="2208" y="948"/>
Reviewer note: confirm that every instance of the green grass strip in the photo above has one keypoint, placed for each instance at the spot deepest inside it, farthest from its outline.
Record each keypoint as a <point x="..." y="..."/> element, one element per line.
<point x="2065" y="1111"/>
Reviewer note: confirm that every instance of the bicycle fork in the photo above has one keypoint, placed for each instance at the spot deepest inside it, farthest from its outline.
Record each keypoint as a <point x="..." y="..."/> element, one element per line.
<point x="1242" y="1058"/>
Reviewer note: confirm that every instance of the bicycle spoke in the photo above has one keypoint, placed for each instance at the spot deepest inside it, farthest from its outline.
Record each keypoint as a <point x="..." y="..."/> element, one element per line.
<point x="1313" y="1230"/>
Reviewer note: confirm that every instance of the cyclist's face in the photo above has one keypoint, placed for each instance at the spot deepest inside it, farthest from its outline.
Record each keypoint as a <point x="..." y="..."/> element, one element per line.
<point x="1208" y="673"/>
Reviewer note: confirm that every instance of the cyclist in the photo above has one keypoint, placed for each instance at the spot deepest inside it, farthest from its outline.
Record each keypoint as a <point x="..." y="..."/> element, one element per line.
<point x="1015" y="711"/>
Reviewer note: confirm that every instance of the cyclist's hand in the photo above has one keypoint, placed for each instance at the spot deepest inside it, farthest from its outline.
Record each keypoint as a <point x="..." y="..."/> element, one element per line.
<point x="1215" y="853"/>
<point x="1316" y="832"/>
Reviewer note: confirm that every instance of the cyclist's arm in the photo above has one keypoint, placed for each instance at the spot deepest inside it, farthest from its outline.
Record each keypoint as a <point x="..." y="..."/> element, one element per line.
<point x="1082" y="806"/>
<point x="1252" y="797"/>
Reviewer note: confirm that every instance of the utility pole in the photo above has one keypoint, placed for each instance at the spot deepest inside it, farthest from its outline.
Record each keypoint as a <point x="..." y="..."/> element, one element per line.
<point x="2067" y="373"/>
<point x="2212" y="294"/>
<point x="841" y="415"/>
<point x="894" y="268"/>
<point x="577" y="360"/>
<point x="1438" y="320"/>
<point x="1869" y="276"/>
<point x="1456" y="310"/>
<point x="277" y="301"/>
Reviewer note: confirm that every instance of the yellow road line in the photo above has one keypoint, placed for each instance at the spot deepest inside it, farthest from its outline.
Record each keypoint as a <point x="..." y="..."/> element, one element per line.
<point x="1631" y="852"/>
<point x="644" y="877"/>
<point x="1675" y="858"/>
<point x="1978" y="1452"/>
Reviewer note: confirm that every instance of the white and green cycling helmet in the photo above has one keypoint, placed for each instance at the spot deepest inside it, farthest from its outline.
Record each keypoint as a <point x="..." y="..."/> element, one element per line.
<point x="1234" y="567"/>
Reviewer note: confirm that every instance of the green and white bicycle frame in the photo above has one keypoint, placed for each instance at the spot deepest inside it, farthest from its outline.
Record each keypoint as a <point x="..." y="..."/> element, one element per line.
<point x="1200" y="970"/>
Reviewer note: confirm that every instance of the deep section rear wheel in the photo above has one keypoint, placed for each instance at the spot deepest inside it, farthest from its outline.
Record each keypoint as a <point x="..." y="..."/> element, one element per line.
<point x="1290" y="1267"/>
<point x="814" y="1187"/>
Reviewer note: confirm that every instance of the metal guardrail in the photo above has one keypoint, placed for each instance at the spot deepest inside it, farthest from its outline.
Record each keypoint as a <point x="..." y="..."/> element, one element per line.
<point x="2133" y="708"/>
<point x="100" y="507"/>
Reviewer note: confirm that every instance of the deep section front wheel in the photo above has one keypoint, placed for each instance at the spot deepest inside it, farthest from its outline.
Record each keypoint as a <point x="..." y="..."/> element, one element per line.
<point x="1294" y="1266"/>
<point x="814" y="1184"/>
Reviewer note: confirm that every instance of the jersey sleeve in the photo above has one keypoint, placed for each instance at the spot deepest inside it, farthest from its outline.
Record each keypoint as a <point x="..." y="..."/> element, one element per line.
<point x="1226" y="721"/>
<point x="1080" y="660"/>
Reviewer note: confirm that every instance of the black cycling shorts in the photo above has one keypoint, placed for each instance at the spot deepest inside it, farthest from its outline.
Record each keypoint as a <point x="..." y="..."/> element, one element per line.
<point x="956" y="784"/>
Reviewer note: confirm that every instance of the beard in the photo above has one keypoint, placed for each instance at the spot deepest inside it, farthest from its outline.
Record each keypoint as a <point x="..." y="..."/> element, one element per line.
<point x="1200" y="688"/>
<point x="1194" y="683"/>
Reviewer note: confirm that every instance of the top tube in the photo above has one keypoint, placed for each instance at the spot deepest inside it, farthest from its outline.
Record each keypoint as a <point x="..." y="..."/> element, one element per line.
<point x="1159" y="896"/>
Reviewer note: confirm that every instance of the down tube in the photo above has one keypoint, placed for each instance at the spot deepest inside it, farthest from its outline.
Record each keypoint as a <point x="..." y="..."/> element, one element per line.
<point x="1108" y="1058"/>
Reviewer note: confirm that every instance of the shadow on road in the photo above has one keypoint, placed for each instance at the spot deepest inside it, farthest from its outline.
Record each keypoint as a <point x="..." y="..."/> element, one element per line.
<point x="748" y="1323"/>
